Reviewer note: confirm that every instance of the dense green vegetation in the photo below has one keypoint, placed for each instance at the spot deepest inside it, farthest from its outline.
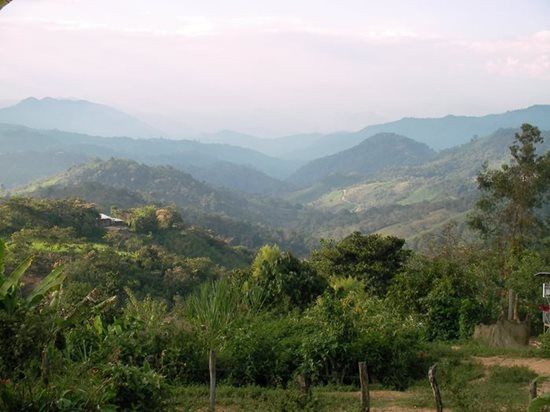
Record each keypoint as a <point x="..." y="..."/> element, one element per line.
<point x="373" y="155"/>
<point x="144" y="315"/>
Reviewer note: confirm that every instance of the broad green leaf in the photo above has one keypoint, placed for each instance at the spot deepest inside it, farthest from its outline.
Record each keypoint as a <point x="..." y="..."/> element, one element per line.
<point x="53" y="280"/>
<point x="14" y="279"/>
<point x="87" y="306"/>
<point x="540" y="401"/>
<point x="98" y="325"/>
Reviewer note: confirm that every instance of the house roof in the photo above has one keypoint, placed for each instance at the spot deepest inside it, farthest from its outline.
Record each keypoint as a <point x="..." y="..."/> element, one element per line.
<point x="103" y="216"/>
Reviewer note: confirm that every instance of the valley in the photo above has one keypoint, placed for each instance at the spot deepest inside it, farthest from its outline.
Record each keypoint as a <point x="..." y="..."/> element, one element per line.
<point x="380" y="185"/>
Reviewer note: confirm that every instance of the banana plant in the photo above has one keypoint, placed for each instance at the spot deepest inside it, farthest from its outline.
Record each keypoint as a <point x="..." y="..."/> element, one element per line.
<point x="10" y="285"/>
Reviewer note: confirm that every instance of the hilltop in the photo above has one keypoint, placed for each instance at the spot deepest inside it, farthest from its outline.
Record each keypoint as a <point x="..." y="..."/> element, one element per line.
<point x="375" y="154"/>
<point x="80" y="116"/>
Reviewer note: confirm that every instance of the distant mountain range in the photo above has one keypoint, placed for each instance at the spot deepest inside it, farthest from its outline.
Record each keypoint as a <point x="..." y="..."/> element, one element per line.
<point x="388" y="183"/>
<point x="85" y="117"/>
<point x="79" y="116"/>
<point x="28" y="154"/>
<point x="438" y="133"/>
<point x="384" y="178"/>
<point x="449" y="131"/>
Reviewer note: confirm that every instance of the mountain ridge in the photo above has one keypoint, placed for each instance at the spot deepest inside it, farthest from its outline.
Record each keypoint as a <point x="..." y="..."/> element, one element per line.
<point x="373" y="155"/>
<point x="76" y="115"/>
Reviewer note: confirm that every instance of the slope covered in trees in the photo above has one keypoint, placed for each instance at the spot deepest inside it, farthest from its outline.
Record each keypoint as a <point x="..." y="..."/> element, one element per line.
<point x="374" y="155"/>
<point x="27" y="145"/>
<point x="129" y="314"/>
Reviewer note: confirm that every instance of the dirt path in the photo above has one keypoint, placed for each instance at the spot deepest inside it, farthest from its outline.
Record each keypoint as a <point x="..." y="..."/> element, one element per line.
<point x="537" y="365"/>
<point x="388" y="397"/>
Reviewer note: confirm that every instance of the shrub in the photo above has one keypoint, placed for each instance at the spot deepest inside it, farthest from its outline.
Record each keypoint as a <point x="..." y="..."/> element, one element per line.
<point x="136" y="388"/>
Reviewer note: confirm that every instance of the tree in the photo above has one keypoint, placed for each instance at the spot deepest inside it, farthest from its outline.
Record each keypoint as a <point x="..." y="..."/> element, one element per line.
<point x="144" y="220"/>
<point x="373" y="259"/>
<point x="512" y="196"/>
<point x="285" y="280"/>
<point x="213" y="310"/>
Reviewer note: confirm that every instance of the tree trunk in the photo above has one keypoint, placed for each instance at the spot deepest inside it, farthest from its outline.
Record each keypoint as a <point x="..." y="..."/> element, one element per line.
<point x="516" y="299"/>
<point x="212" y="369"/>
<point x="45" y="366"/>
<point x="510" y="304"/>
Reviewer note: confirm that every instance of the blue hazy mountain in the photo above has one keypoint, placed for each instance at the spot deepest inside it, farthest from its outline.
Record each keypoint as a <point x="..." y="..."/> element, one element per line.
<point x="373" y="155"/>
<point x="78" y="116"/>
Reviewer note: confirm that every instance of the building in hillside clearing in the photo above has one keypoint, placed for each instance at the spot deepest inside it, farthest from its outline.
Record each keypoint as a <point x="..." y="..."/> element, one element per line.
<point x="109" y="221"/>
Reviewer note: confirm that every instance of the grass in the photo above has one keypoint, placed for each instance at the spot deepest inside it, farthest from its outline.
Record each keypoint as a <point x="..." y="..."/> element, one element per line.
<point x="421" y="194"/>
<point x="194" y="398"/>
<point x="465" y="386"/>
<point x="473" y="348"/>
<point x="64" y="247"/>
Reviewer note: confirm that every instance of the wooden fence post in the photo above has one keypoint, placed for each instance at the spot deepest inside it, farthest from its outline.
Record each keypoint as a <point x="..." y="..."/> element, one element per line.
<point x="533" y="389"/>
<point x="364" y="379"/>
<point x="45" y="366"/>
<point x="435" y="388"/>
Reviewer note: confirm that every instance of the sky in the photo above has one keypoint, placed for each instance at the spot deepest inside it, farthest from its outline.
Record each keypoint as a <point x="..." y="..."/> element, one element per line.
<point x="279" y="67"/>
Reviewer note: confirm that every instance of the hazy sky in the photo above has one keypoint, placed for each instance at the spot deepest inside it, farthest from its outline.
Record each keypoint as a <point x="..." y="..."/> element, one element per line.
<point x="274" y="67"/>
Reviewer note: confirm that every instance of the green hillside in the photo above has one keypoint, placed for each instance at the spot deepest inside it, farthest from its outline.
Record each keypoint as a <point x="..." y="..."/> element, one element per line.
<point x="373" y="155"/>
<point x="246" y="220"/>
<point x="414" y="201"/>
<point x="27" y="144"/>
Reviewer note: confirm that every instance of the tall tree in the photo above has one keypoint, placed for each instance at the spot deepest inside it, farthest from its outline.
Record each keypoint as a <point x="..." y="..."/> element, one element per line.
<point x="286" y="281"/>
<point x="513" y="196"/>
<point x="373" y="259"/>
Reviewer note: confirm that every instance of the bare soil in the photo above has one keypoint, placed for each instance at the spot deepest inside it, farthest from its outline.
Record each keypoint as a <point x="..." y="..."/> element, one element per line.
<point x="537" y="365"/>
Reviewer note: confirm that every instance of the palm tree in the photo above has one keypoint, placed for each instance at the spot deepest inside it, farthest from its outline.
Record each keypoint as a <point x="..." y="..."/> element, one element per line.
<point x="213" y="310"/>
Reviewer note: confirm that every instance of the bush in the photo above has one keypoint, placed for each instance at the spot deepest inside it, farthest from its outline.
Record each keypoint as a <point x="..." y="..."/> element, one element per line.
<point x="265" y="351"/>
<point x="75" y="387"/>
<point x="136" y="388"/>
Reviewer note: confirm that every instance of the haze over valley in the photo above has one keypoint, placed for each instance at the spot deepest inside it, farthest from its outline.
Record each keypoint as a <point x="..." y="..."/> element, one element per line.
<point x="377" y="179"/>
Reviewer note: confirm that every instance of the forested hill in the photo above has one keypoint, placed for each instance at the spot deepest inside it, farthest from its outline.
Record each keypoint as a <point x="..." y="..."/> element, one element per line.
<point x="239" y="178"/>
<point x="163" y="184"/>
<point x="250" y="220"/>
<point x="413" y="201"/>
<point x="373" y="155"/>
<point x="155" y="252"/>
